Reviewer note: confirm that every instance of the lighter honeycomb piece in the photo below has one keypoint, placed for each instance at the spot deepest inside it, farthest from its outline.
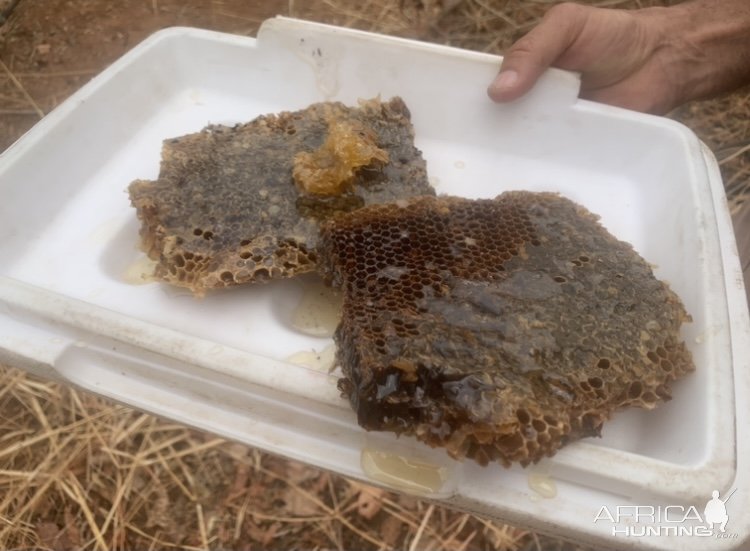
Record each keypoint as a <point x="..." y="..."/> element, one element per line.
<point x="330" y="169"/>
<point x="499" y="329"/>
<point x="225" y="209"/>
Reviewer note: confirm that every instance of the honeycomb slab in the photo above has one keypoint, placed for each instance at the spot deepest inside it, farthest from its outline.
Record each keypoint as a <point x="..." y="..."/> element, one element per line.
<point x="499" y="329"/>
<point x="227" y="209"/>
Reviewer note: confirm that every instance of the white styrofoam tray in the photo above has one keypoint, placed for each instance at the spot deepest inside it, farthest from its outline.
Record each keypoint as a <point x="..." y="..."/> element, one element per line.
<point x="68" y="234"/>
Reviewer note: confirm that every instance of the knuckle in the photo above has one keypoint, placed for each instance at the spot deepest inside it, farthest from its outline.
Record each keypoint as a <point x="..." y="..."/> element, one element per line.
<point x="525" y="53"/>
<point x="524" y="46"/>
<point x="566" y="10"/>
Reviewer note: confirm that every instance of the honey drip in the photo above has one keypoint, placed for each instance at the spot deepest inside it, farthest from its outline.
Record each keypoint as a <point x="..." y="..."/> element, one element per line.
<point x="403" y="473"/>
<point x="542" y="484"/>
<point x="318" y="312"/>
<point x="325" y="360"/>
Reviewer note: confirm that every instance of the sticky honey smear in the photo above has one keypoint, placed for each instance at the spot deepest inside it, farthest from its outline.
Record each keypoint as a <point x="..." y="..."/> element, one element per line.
<point x="397" y="471"/>
<point x="542" y="484"/>
<point x="330" y="169"/>
<point x="324" y="361"/>
<point x="319" y="310"/>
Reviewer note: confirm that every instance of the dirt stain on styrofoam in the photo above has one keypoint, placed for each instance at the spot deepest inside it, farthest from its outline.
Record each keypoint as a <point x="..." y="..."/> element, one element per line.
<point x="195" y="97"/>
<point x="216" y="350"/>
<point x="325" y="65"/>
<point x="96" y="293"/>
<point x="105" y="231"/>
<point x="140" y="271"/>
<point x="710" y="332"/>
<point x="172" y="291"/>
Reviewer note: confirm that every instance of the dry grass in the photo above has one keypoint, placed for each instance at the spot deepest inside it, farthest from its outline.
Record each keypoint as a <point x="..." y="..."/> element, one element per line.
<point x="77" y="472"/>
<point x="724" y="125"/>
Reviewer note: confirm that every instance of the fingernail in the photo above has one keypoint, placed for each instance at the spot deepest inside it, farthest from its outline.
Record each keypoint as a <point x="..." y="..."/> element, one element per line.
<point x="505" y="81"/>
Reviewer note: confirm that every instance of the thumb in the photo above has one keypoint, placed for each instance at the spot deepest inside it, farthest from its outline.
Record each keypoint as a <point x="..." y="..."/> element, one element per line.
<point x="530" y="56"/>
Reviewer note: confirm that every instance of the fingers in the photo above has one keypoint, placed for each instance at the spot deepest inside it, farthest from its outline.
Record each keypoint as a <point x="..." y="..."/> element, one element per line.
<point x="527" y="59"/>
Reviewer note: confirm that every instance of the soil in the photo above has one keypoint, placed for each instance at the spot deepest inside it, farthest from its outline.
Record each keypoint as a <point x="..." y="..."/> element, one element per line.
<point x="53" y="47"/>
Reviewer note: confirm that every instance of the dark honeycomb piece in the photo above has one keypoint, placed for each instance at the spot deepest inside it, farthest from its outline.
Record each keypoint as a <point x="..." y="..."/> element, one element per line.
<point x="225" y="209"/>
<point x="500" y="329"/>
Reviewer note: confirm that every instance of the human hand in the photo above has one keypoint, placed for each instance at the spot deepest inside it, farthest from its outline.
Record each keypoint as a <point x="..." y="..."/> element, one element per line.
<point x="649" y="60"/>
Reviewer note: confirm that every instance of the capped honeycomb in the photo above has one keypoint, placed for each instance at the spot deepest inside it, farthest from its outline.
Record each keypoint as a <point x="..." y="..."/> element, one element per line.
<point x="499" y="329"/>
<point x="240" y="204"/>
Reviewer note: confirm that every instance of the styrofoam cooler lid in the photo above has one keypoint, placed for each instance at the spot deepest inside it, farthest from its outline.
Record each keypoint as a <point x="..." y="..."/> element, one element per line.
<point x="68" y="309"/>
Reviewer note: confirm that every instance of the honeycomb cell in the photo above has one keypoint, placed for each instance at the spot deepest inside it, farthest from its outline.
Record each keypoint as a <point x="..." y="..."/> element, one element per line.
<point x="539" y="425"/>
<point x="505" y="363"/>
<point x="649" y="397"/>
<point x="635" y="390"/>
